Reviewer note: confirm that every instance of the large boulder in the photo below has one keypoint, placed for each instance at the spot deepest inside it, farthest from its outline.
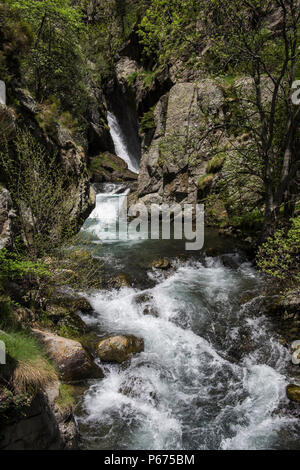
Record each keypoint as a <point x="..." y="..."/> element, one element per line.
<point x="108" y="167"/>
<point x="7" y="215"/>
<point x="181" y="146"/>
<point x="119" y="348"/>
<point x="293" y="392"/>
<point x="73" y="362"/>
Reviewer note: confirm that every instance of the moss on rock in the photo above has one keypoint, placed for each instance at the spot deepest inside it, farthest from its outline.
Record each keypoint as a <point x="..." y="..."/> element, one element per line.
<point x="293" y="393"/>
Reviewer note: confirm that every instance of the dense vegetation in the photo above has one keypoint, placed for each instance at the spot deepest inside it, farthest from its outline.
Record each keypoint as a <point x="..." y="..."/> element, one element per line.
<point x="60" y="51"/>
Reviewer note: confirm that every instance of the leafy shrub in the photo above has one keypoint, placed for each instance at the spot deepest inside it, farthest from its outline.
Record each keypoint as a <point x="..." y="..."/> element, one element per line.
<point x="280" y="255"/>
<point x="249" y="220"/>
<point x="13" y="265"/>
<point x="12" y="404"/>
<point x="147" y="121"/>
<point x="205" y="181"/>
<point x="216" y="163"/>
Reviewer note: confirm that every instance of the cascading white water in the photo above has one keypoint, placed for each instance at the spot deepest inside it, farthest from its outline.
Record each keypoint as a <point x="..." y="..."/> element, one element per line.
<point x="120" y="143"/>
<point x="185" y="391"/>
<point x="102" y="223"/>
<point x="213" y="374"/>
<point x="197" y="385"/>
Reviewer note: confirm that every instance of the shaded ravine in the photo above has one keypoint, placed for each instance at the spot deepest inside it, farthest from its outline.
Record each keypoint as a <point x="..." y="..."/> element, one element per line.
<point x="213" y="373"/>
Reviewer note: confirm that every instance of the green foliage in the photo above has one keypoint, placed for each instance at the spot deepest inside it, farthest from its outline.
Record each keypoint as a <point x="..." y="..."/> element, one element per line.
<point x="249" y="221"/>
<point x="280" y="255"/>
<point x="7" y="318"/>
<point x="66" y="399"/>
<point x="16" y="38"/>
<point x="147" y="121"/>
<point x="132" y="78"/>
<point x="15" y="266"/>
<point x="31" y="368"/>
<point x="51" y="115"/>
<point x="20" y="346"/>
<point x="205" y="181"/>
<point x="54" y="63"/>
<point x="87" y="268"/>
<point x="144" y="76"/>
<point x="12" y="404"/>
<point x="216" y="163"/>
<point x="169" y="29"/>
<point x="108" y="30"/>
<point x="37" y="183"/>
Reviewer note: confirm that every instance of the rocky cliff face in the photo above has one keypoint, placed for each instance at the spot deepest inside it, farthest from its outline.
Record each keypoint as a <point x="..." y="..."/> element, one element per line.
<point x="7" y="216"/>
<point x="181" y="147"/>
<point x="57" y="140"/>
<point x="42" y="426"/>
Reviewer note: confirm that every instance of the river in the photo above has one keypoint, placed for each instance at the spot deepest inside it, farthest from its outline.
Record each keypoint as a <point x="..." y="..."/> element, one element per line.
<point x="213" y="372"/>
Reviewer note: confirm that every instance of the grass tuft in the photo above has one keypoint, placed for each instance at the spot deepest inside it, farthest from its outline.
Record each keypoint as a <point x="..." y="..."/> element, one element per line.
<point x="32" y="369"/>
<point x="205" y="181"/>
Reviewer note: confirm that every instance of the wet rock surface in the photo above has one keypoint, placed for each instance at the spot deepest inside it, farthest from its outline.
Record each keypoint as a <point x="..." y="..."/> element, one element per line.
<point x="161" y="263"/>
<point x="293" y="393"/>
<point x="72" y="360"/>
<point x="119" y="348"/>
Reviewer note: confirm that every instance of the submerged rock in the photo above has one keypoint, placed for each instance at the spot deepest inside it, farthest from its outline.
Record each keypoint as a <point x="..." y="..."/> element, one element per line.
<point x="293" y="392"/>
<point x="72" y="360"/>
<point x="140" y="388"/>
<point x="146" y="301"/>
<point x="161" y="263"/>
<point x="119" y="348"/>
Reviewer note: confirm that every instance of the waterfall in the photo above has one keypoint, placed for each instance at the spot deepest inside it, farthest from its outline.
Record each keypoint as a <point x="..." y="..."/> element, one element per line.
<point x="120" y="143"/>
<point x="102" y="223"/>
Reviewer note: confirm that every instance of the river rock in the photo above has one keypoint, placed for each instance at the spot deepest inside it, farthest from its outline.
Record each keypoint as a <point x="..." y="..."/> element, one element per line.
<point x="293" y="392"/>
<point x="72" y="304"/>
<point x="146" y="301"/>
<point x="72" y="360"/>
<point x="119" y="348"/>
<point x="161" y="263"/>
<point x="119" y="281"/>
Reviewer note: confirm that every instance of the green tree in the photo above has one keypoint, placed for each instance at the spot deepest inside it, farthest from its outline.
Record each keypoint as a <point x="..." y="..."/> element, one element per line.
<point x="242" y="39"/>
<point x="171" y="29"/>
<point x="38" y="185"/>
<point x="54" y="64"/>
<point x="279" y="256"/>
